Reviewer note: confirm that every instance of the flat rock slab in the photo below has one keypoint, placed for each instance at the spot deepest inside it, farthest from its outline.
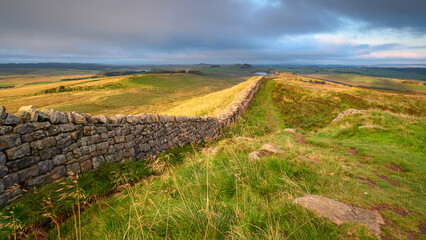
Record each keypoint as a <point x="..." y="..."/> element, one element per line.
<point x="254" y="156"/>
<point x="340" y="213"/>
<point x="269" y="149"/>
<point x="290" y="130"/>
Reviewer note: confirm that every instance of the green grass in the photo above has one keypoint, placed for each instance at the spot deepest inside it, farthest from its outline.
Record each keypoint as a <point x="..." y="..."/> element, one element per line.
<point x="229" y="196"/>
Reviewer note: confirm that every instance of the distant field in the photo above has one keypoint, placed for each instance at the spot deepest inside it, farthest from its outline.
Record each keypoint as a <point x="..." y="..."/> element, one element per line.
<point x="110" y="95"/>
<point x="358" y="80"/>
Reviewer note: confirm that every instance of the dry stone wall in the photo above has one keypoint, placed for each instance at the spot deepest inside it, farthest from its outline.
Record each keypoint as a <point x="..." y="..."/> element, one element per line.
<point x="41" y="146"/>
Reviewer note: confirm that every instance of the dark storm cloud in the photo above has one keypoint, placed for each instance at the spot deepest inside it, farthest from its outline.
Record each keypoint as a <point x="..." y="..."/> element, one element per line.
<point x="159" y="30"/>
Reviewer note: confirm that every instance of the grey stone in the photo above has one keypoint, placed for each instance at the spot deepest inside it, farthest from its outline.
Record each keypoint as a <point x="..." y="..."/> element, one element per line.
<point x="3" y="114"/>
<point x="254" y="156"/>
<point x="34" y="136"/>
<point x="1" y="186"/>
<point x="70" y="117"/>
<point x="48" y="153"/>
<point x="97" y="161"/>
<point x="18" y="151"/>
<point x="12" y="120"/>
<point x="89" y="118"/>
<point x="10" y="195"/>
<point x="76" y="135"/>
<point x="3" y="170"/>
<point x="55" y="116"/>
<point x="102" y="145"/>
<point x="22" y="163"/>
<point x="10" y="180"/>
<point x="58" y="172"/>
<point x="2" y="158"/>
<point x="101" y="130"/>
<point x="44" y="143"/>
<point x="45" y="166"/>
<point x="102" y="119"/>
<point x="73" y="169"/>
<point x="269" y="149"/>
<point x="89" y="130"/>
<point x="53" y="130"/>
<point x="119" y="139"/>
<point x="79" y="118"/>
<point x="9" y="141"/>
<point x="64" y="142"/>
<point x="28" y="113"/>
<point x="86" y="165"/>
<point x="67" y="127"/>
<point x="28" y="172"/>
<point x="340" y="213"/>
<point x="24" y="128"/>
<point x="5" y="130"/>
<point x="37" y="181"/>
<point x="41" y="125"/>
<point x="59" y="159"/>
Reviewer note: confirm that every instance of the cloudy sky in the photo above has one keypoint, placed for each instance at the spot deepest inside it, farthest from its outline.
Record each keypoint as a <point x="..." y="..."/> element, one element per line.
<point x="214" y="31"/>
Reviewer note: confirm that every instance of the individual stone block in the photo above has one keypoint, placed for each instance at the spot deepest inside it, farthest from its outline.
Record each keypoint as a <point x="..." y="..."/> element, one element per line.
<point x="86" y="165"/>
<point x="18" y="151"/>
<point x="89" y="130"/>
<point x="3" y="114"/>
<point x="2" y="158"/>
<point x="102" y="146"/>
<point x="59" y="159"/>
<point x="73" y="169"/>
<point x="55" y="116"/>
<point x="58" y="172"/>
<point x="10" y="180"/>
<point x="22" y="163"/>
<point x="24" y="128"/>
<point x="76" y="135"/>
<point x="79" y="118"/>
<point x="48" y="153"/>
<point x="119" y="139"/>
<point x="70" y="117"/>
<point x="102" y="119"/>
<point x="45" y="166"/>
<point x="37" y="181"/>
<point x="34" y="136"/>
<point x="28" y="172"/>
<point x="53" y="130"/>
<point x="12" y="120"/>
<point x="5" y="130"/>
<point x="28" y="113"/>
<point x="41" y="125"/>
<point x="97" y="161"/>
<point x="9" y="141"/>
<point x="67" y="127"/>
<point x="3" y="170"/>
<point x="44" y="143"/>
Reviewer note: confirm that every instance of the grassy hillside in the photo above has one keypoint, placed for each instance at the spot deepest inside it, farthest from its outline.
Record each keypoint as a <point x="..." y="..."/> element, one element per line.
<point x="114" y="95"/>
<point x="198" y="194"/>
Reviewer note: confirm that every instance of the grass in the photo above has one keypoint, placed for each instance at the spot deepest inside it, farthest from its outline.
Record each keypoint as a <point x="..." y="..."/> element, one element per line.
<point x="115" y="95"/>
<point x="227" y="195"/>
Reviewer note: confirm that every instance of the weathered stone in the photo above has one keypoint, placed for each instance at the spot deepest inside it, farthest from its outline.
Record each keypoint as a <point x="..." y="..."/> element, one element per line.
<point x="97" y="161"/>
<point x="340" y="213"/>
<point x="44" y="143"/>
<point x="12" y="120"/>
<point x="102" y="119"/>
<point x="59" y="159"/>
<point x="28" y="172"/>
<point x="3" y="170"/>
<point x="55" y="116"/>
<point x="101" y="130"/>
<point x="79" y="118"/>
<point x="102" y="145"/>
<point x="45" y="166"/>
<point x="41" y="125"/>
<point x="70" y="117"/>
<point x="210" y="151"/>
<point x="28" y="113"/>
<point x="48" y="153"/>
<point x="119" y="139"/>
<point x="254" y="156"/>
<point x="1" y="186"/>
<point x="9" y="141"/>
<point x="73" y="169"/>
<point x="58" y="172"/>
<point x="34" y="136"/>
<point x="89" y="130"/>
<point x="76" y="135"/>
<point x="89" y="118"/>
<point x="53" y="130"/>
<point x="2" y="158"/>
<point x="64" y="142"/>
<point x="24" y="128"/>
<point x="291" y="130"/>
<point x="3" y="114"/>
<point x="18" y="151"/>
<point x="67" y="127"/>
<point x="10" y="180"/>
<point x="22" y="163"/>
<point x="347" y="113"/>
<point x="37" y="181"/>
<point x="269" y="149"/>
<point x="129" y="152"/>
<point x="86" y="165"/>
<point x="5" y="130"/>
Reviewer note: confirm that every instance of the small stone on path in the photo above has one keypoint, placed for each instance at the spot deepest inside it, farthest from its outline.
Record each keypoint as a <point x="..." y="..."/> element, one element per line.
<point x="267" y="148"/>
<point x="254" y="156"/>
<point x="290" y="130"/>
<point x="340" y="213"/>
<point x="210" y="151"/>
